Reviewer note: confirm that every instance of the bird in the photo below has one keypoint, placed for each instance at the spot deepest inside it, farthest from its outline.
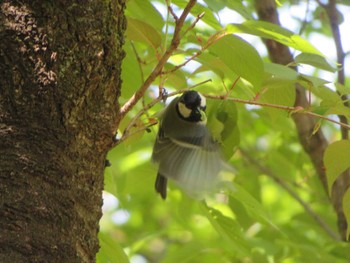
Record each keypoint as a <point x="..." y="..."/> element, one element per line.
<point x="185" y="150"/>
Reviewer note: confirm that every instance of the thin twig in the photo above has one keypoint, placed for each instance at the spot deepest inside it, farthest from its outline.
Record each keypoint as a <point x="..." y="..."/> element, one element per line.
<point x="158" y="68"/>
<point x="199" y="17"/>
<point x="126" y="132"/>
<point x="290" y="109"/>
<point x="211" y="41"/>
<point x="291" y="192"/>
<point x="171" y="11"/>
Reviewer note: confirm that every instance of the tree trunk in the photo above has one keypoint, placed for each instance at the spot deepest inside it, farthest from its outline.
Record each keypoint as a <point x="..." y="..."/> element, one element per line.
<point x="314" y="143"/>
<point x="59" y="85"/>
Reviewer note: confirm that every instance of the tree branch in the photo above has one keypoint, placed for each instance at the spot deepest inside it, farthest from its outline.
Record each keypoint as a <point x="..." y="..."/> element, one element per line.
<point x="292" y="193"/>
<point x="158" y="69"/>
<point x="332" y="14"/>
<point x="314" y="143"/>
<point x="126" y="132"/>
<point x="291" y="109"/>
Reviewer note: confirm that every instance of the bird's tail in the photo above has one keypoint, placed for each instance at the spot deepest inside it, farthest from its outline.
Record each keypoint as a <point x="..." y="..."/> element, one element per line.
<point x="161" y="185"/>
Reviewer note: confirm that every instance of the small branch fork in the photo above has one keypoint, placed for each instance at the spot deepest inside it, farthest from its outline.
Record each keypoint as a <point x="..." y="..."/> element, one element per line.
<point x="163" y="59"/>
<point x="290" y="109"/>
<point x="158" y="71"/>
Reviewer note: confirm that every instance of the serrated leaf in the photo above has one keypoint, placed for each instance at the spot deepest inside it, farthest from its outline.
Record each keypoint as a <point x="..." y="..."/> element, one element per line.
<point x="336" y="160"/>
<point x="271" y="31"/>
<point x="140" y="31"/>
<point x="346" y="209"/>
<point x="240" y="57"/>
<point x="110" y="250"/>
<point x="314" y="60"/>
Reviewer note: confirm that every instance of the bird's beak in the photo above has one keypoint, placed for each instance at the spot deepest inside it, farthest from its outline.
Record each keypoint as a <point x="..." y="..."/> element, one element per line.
<point x="203" y="116"/>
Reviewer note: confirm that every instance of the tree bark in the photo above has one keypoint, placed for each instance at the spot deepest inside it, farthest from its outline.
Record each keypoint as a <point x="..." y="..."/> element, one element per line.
<point x="60" y="65"/>
<point x="314" y="143"/>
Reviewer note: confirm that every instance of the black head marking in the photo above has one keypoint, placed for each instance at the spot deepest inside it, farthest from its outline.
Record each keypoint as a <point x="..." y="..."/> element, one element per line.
<point x="190" y="104"/>
<point x="192" y="100"/>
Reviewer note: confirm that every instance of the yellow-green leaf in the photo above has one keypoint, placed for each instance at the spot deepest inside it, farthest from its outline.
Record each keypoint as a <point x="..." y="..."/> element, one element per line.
<point x="240" y="57"/>
<point x="274" y="32"/>
<point x="140" y="31"/>
<point x="336" y="160"/>
<point x="346" y="209"/>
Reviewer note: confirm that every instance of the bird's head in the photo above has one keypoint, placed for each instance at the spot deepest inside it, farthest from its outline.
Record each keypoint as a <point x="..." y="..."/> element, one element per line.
<point x="191" y="106"/>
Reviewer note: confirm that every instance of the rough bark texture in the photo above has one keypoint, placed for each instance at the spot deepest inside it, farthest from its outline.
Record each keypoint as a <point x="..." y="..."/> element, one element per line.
<point x="314" y="144"/>
<point x="59" y="84"/>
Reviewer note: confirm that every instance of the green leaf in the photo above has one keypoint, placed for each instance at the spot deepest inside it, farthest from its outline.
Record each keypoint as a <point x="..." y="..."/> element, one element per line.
<point x="110" y="250"/>
<point x="271" y="31"/>
<point x="336" y="160"/>
<point x="280" y="72"/>
<point x="343" y="90"/>
<point x="278" y="92"/>
<point x="140" y="31"/>
<point x="228" y="229"/>
<point x="222" y="122"/>
<point x="198" y="9"/>
<point x="240" y="57"/>
<point x="346" y="209"/>
<point x="131" y="73"/>
<point x="145" y="11"/>
<point x="252" y="206"/>
<point x="314" y="60"/>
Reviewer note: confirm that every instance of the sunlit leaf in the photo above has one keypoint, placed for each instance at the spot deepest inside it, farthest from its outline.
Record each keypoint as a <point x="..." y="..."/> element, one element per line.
<point x="145" y="11"/>
<point x="138" y="30"/>
<point x="280" y="72"/>
<point x="343" y="90"/>
<point x="198" y="9"/>
<point x="131" y="72"/>
<point x="314" y="60"/>
<point x="336" y="160"/>
<point x="274" y="32"/>
<point x="278" y="92"/>
<point x="240" y="57"/>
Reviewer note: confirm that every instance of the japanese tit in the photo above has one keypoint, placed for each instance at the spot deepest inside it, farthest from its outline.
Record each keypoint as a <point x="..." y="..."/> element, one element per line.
<point x="184" y="149"/>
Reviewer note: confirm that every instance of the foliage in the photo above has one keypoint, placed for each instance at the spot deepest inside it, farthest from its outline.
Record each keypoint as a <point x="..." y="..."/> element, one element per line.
<point x="269" y="213"/>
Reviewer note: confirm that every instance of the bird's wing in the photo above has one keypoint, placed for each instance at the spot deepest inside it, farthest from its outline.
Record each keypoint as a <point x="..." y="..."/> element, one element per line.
<point x="194" y="163"/>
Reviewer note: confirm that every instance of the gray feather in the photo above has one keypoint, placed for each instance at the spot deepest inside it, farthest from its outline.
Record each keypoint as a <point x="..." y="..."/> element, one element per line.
<point x="186" y="153"/>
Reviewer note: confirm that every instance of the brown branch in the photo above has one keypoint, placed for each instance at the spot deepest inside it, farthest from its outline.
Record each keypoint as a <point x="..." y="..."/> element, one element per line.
<point x="211" y="41"/>
<point x="332" y="14"/>
<point x="290" y="109"/>
<point x="268" y="172"/>
<point x="342" y="183"/>
<point x="314" y="143"/>
<point x="126" y="132"/>
<point x="158" y="68"/>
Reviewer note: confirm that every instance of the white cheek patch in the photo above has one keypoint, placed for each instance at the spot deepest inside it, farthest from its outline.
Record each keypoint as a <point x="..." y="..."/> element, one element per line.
<point x="183" y="110"/>
<point x="203" y="101"/>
